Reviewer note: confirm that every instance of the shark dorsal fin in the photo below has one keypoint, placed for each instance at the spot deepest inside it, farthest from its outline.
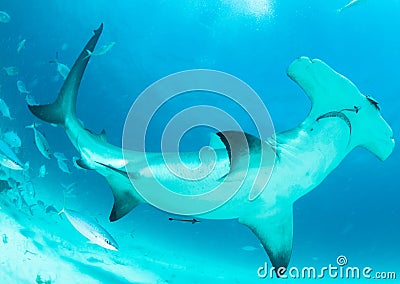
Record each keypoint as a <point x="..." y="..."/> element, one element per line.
<point x="215" y="142"/>
<point x="103" y="135"/>
<point x="239" y="143"/>
<point x="245" y="150"/>
<point x="250" y="159"/>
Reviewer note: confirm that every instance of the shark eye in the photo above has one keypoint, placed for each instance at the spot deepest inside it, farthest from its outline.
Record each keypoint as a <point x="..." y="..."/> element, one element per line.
<point x="373" y="102"/>
<point x="107" y="241"/>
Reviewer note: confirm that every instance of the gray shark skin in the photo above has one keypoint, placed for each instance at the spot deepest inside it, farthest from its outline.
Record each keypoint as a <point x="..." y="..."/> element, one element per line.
<point x="341" y="118"/>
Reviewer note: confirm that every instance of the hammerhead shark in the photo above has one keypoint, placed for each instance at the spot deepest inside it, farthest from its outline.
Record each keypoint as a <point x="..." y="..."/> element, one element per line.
<point x="341" y="118"/>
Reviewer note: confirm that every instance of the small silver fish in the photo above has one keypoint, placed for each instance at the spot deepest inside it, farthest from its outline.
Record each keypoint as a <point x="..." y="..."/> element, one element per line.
<point x="102" y="50"/>
<point x="41" y="142"/>
<point x="21" y="87"/>
<point x="11" y="70"/>
<point x="90" y="229"/>
<point x="30" y="100"/>
<point x="4" y="17"/>
<point x="59" y="156"/>
<point x="4" y="110"/>
<point x="62" y="69"/>
<point x="21" y="46"/>
<point x="12" y="139"/>
<point x="8" y="158"/>
<point x="63" y="166"/>
<point x="42" y="171"/>
<point x="10" y="164"/>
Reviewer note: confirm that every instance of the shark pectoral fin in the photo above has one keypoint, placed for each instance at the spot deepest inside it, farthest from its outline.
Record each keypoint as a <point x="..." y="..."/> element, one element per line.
<point x="125" y="198"/>
<point x="275" y="231"/>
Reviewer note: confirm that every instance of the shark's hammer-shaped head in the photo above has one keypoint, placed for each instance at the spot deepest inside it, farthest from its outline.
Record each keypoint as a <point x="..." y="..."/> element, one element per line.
<point x="333" y="95"/>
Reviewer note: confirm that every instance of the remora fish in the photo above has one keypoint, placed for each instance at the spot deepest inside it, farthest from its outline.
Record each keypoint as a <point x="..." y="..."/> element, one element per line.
<point x="90" y="229"/>
<point x="41" y="142"/>
<point x="307" y="154"/>
<point x="193" y="221"/>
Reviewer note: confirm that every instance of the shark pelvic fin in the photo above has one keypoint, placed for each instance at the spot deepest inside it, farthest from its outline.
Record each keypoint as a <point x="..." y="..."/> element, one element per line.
<point x="82" y="163"/>
<point x="125" y="198"/>
<point x="275" y="231"/>
<point x="65" y="105"/>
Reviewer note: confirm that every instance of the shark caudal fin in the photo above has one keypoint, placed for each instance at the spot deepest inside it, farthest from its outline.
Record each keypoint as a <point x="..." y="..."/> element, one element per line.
<point x="65" y="105"/>
<point x="334" y="96"/>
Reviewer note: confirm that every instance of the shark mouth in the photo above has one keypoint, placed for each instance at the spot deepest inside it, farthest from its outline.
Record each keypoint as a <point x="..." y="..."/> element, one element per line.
<point x="338" y="114"/>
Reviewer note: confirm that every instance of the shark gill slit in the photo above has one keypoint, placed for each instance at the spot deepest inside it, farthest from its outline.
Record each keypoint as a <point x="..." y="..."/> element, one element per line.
<point x="337" y="114"/>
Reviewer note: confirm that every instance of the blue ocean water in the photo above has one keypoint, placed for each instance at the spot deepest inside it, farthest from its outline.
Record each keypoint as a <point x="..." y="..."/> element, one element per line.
<point x="354" y="212"/>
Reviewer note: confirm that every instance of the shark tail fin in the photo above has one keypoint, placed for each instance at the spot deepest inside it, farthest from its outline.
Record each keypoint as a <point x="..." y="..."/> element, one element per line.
<point x="65" y="105"/>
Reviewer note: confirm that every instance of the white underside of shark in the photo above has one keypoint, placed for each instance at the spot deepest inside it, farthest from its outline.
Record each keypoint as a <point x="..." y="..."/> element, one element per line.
<point x="341" y="119"/>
